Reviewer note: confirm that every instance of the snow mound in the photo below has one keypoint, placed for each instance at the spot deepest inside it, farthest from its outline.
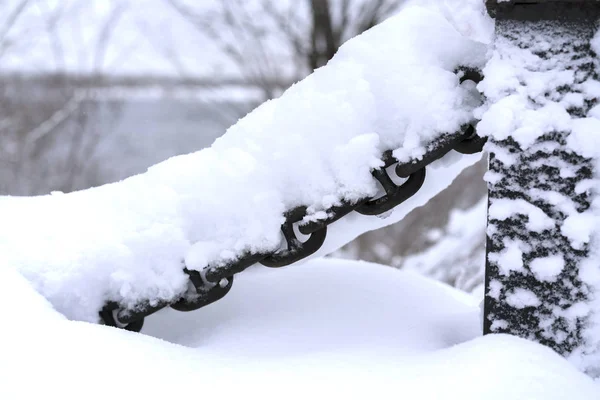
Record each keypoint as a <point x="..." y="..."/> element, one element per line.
<point x="327" y="329"/>
<point x="392" y="88"/>
<point x="315" y="307"/>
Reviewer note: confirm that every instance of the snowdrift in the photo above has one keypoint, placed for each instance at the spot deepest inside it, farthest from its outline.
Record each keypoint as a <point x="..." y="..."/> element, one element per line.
<point x="323" y="329"/>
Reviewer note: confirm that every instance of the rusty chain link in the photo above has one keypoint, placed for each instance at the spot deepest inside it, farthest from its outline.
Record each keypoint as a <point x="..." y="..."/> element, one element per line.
<point x="214" y="282"/>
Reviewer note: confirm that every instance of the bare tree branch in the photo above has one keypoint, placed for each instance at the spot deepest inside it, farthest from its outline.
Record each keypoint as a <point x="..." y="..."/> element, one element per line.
<point x="52" y="19"/>
<point x="57" y="118"/>
<point x="11" y="19"/>
<point x="241" y="30"/>
<point x="105" y="35"/>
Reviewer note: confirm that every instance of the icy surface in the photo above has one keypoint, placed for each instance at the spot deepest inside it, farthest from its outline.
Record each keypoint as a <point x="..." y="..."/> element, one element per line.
<point x="328" y="329"/>
<point x="393" y="87"/>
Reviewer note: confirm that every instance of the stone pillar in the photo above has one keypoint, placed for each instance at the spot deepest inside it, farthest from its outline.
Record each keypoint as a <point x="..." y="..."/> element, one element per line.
<point x="540" y="85"/>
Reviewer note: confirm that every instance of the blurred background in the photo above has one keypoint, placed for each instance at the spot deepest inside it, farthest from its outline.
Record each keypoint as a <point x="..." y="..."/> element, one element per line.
<point x="94" y="91"/>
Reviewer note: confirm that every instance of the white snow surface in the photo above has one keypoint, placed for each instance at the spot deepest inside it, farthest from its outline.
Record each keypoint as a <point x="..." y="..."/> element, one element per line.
<point x="393" y="87"/>
<point x="328" y="329"/>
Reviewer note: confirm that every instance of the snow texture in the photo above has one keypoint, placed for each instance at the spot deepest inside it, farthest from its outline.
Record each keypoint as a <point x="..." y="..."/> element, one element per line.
<point x="510" y="259"/>
<point x="329" y="329"/>
<point x="541" y="89"/>
<point x="522" y="298"/>
<point x="392" y="88"/>
<point x="547" y="268"/>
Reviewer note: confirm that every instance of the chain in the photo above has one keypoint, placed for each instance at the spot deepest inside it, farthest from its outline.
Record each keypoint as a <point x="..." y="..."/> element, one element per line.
<point x="215" y="281"/>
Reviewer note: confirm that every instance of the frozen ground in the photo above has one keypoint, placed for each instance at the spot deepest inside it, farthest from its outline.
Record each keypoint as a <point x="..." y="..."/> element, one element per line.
<point x="323" y="329"/>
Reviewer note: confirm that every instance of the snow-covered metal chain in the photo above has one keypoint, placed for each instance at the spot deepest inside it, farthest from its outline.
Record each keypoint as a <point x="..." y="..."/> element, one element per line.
<point x="215" y="281"/>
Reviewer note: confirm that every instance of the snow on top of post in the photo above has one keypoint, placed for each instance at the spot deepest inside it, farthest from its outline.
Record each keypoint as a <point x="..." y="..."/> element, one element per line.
<point x="393" y="87"/>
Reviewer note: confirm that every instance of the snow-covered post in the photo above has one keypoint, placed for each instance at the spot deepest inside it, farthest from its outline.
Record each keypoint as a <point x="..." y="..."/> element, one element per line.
<point x="541" y="84"/>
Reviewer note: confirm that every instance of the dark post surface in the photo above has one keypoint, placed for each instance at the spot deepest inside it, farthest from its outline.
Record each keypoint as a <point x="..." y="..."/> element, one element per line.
<point x="538" y="10"/>
<point x="532" y="272"/>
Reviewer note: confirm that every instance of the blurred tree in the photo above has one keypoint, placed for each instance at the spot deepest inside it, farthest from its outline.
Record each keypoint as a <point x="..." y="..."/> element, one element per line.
<point x="277" y="42"/>
<point x="47" y="139"/>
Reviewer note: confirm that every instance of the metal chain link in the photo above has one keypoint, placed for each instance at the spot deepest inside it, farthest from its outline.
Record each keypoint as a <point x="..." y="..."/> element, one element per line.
<point x="214" y="282"/>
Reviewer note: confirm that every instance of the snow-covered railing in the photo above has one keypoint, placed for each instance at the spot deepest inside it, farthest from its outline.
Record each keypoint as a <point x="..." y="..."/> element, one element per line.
<point x="542" y="87"/>
<point x="169" y="236"/>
